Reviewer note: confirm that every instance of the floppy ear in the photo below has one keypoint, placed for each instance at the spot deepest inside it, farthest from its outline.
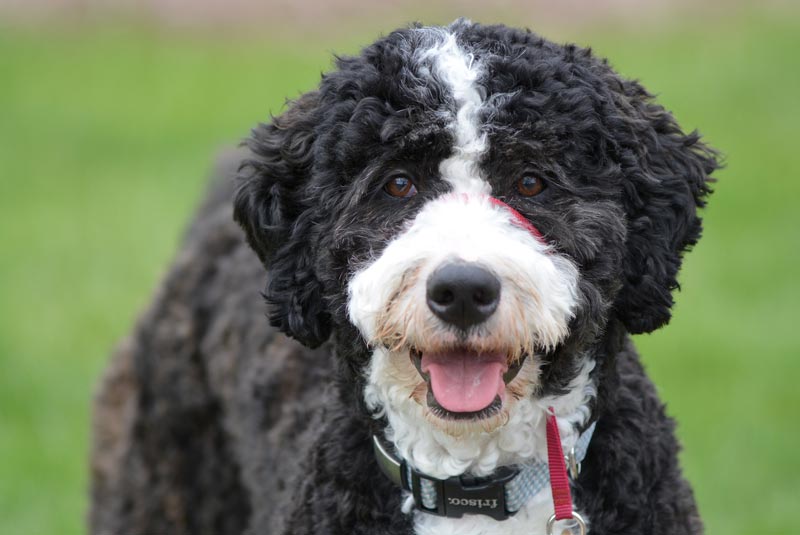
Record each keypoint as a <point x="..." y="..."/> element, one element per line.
<point x="272" y="207"/>
<point x="666" y="177"/>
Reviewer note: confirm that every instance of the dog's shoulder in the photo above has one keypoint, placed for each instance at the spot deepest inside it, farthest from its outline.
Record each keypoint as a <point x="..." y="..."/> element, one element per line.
<point x="632" y="461"/>
<point x="204" y="401"/>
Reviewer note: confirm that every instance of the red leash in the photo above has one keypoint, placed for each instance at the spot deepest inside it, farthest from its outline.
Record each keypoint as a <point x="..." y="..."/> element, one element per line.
<point x="559" y="480"/>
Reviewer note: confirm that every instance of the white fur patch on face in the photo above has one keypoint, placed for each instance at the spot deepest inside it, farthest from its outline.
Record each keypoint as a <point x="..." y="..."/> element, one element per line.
<point x="387" y="302"/>
<point x="387" y="299"/>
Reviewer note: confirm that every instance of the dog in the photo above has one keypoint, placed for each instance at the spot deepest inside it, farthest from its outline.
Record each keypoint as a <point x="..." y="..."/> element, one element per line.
<point x="461" y="226"/>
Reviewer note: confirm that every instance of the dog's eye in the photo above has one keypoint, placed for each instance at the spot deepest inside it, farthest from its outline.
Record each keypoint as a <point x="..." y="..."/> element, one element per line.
<point x="400" y="186"/>
<point x="530" y="186"/>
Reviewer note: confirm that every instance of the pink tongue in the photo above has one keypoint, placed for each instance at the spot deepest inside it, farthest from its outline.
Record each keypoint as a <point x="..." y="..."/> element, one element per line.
<point x="464" y="381"/>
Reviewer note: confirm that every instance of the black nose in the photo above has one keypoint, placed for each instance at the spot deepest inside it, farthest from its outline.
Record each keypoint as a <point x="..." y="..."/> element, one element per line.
<point x="463" y="294"/>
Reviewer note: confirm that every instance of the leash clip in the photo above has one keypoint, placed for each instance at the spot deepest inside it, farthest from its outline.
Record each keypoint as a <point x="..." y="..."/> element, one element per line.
<point x="576" y="521"/>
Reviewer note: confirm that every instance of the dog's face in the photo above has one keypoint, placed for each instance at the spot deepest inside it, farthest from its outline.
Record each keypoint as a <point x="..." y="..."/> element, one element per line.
<point x="469" y="208"/>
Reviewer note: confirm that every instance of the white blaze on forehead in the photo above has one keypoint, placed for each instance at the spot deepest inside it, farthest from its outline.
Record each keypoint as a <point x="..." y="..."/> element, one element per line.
<point x="460" y="71"/>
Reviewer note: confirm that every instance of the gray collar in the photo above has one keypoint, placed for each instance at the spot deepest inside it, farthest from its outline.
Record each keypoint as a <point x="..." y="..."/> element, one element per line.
<point x="499" y="496"/>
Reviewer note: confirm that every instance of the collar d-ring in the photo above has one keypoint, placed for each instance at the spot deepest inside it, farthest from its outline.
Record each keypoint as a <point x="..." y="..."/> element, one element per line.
<point x="576" y="521"/>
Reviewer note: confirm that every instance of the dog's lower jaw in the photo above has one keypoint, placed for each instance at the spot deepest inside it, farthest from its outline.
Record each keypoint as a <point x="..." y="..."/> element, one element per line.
<point x="440" y="454"/>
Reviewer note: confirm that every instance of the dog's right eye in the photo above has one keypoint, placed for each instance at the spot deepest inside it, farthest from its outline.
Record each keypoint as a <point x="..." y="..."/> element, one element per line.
<point x="400" y="186"/>
<point x="530" y="186"/>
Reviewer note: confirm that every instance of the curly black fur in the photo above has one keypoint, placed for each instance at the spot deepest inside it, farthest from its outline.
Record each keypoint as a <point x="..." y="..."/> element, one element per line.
<point x="211" y="422"/>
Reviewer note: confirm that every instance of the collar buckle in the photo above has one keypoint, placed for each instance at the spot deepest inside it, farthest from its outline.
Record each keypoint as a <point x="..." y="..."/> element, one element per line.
<point x="459" y="495"/>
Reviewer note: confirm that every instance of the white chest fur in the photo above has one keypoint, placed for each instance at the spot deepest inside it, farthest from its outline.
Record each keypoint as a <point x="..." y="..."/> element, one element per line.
<point x="521" y="440"/>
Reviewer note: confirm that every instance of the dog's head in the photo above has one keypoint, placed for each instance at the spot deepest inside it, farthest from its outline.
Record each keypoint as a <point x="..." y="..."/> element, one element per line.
<point x="475" y="205"/>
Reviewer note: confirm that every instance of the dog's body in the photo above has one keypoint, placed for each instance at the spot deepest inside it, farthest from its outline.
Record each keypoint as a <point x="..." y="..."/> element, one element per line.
<point x="440" y="159"/>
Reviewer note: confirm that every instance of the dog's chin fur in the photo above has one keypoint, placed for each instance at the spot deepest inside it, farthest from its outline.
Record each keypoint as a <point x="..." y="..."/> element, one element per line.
<point x="443" y="448"/>
<point x="394" y="383"/>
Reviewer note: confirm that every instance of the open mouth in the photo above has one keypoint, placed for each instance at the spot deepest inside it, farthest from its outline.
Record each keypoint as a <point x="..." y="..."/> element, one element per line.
<point x="464" y="384"/>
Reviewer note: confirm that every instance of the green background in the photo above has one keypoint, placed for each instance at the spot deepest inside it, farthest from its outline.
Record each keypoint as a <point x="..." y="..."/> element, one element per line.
<point x="107" y="132"/>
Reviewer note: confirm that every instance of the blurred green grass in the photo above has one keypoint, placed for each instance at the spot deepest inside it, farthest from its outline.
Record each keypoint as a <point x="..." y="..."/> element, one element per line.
<point x="107" y="133"/>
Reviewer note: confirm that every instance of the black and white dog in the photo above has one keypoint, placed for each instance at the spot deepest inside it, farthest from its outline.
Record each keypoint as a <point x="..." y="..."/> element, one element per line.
<point x="466" y="223"/>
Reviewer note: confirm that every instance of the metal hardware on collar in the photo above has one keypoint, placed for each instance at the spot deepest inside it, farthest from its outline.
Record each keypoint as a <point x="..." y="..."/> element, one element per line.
<point x="573" y="464"/>
<point x="577" y="520"/>
<point x="557" y="464"/>
<point x="389" y="465"/>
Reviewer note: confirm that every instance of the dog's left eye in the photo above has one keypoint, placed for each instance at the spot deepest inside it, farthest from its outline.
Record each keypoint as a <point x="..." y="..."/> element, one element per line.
<point x="400" y="186"/>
